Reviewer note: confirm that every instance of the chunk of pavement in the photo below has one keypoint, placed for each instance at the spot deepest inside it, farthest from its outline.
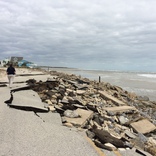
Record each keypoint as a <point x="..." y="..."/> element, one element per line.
<point x="68" y="124"/>
<point x="106" y="146"/>
<point x="78" y="106"/>
<point x="105" y="137"/>
<point x="143" y="126"/>
<point x="119" y="109"/>
<point x="80" y="92"/>
<point x="110" y="146"/>
<point x="51" y="108"/>
<point x="129" y="134"/>
<point x="71" y="114"/>
<point x="123" y="120"/>
<point x="90" y="134"/>
<point x="48" y="101"/>
<point x="105" y="95"/>
<point x="80" y="122"/>
<point x="27" y="98"/>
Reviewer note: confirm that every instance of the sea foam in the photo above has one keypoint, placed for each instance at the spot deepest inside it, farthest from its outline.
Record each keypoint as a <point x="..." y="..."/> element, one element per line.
<point x="148" y="75"/>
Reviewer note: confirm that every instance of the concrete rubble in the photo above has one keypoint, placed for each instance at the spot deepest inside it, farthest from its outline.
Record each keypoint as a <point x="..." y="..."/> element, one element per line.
<point x="112" y="117"/>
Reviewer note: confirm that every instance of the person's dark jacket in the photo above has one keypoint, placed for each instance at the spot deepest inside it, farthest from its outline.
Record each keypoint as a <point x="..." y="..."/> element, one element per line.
<point x="11" y="70"/>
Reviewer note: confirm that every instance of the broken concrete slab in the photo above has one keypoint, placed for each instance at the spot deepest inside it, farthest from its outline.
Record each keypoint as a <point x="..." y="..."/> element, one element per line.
<point x="78" y="106"/>
<point x="81" y="87"/>
<point x="105" y="95"/>
<point x="65" y="101"/>
<point x="143" y="126"/>
<point x="110" y="146"/>
<point x="80" y="92"/>
<point x="51" y="108"/>
<point x="71" y="114"/>
<point x="129" y="134"/>
<point x="122" y="120"/>
<point x="68" y="124"/>
<point x="119" y="109"/>
<point x="29" y="95"/>
<point x="48" y="102"/>
<point x="105" y="137"/>
<point x="80" y="122"/>
<point x="106" y="146"/>
<point x="70" y="81"/>
<point x="27" y="100"/>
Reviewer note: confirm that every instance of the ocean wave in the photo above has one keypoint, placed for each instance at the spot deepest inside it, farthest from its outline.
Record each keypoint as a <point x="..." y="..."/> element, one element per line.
<point x="148" y="75"/>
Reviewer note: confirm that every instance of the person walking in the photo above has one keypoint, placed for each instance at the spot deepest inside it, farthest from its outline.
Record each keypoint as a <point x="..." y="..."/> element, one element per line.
<point x="11" y="74"/>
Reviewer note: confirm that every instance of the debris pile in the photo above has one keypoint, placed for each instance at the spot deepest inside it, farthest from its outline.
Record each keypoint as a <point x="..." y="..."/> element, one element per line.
<point x="111" y="116"/>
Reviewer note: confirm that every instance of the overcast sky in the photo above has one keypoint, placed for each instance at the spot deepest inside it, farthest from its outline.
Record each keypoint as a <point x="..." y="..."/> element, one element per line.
<point x="87" y="34"/>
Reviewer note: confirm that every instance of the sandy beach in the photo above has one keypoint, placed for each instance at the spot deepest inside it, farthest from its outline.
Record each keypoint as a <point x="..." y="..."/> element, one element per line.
<point x="2" y="73"/>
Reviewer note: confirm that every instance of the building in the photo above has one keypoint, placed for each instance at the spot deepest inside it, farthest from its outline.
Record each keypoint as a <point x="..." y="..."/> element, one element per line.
<point x="4" y="62"/>
<point x="25" y="63"/>
<point x="17" y="61"/>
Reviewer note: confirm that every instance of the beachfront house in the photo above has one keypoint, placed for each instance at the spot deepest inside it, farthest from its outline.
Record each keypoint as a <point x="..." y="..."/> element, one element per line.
<point x="17" y="61"/>
<point x="25" y="63"/>
<point x="4" y="62"/>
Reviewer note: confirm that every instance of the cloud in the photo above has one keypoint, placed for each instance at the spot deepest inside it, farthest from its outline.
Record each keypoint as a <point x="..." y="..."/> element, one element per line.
<point x="88" y="33"/>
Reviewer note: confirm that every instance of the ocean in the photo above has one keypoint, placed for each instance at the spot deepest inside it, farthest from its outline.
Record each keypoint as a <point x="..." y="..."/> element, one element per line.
<point x="141" y="83"/>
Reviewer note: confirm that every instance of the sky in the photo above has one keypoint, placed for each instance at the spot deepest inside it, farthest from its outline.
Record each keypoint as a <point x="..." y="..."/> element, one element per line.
<point x="85" y="34"/>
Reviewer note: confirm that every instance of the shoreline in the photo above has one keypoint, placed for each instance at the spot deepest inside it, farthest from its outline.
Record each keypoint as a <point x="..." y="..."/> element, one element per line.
<point x="97" y="70"/>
